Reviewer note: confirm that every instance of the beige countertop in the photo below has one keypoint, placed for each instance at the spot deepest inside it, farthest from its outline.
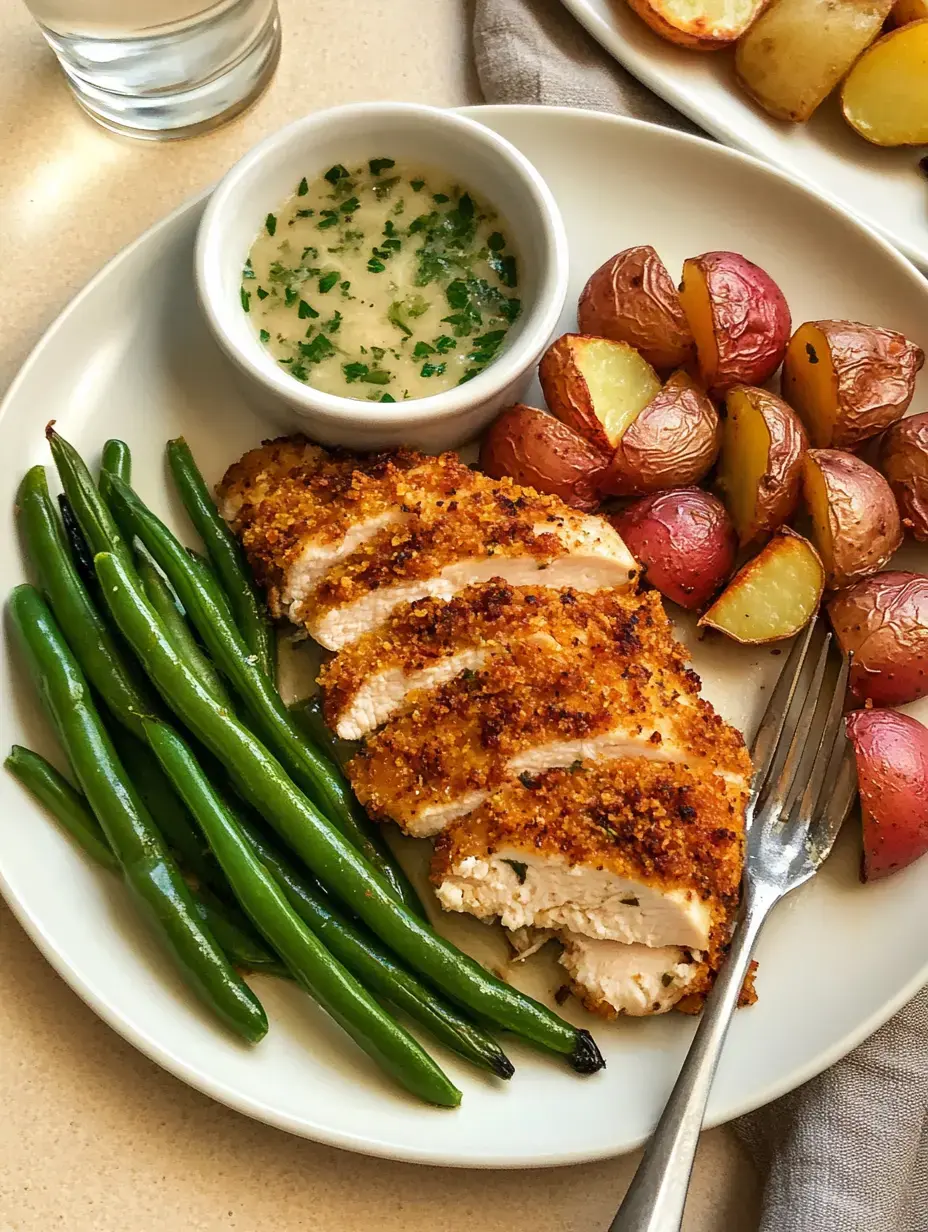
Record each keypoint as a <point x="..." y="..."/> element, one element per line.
<point x="93" y="1136"/>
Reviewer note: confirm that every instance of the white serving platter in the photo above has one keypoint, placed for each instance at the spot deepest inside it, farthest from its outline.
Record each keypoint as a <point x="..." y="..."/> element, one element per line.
<point x="131" y="357"/>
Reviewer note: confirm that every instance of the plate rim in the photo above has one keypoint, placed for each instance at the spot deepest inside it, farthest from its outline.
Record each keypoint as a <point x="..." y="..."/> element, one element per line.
<point x="610" y="39"/>
<point x="214" y="1088"/>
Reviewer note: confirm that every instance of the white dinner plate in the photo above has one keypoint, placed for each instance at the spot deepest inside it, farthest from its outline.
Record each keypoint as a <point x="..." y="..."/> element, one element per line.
<point x="884" y="187"/>
<point x="131" y="357"/>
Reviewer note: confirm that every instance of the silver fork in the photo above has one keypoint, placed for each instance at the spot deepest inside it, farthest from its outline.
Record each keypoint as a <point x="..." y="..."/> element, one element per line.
<point x="791" y="830"/>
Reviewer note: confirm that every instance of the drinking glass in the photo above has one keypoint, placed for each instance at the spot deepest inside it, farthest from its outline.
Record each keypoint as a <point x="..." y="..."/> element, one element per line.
<point x="162" y="68"/>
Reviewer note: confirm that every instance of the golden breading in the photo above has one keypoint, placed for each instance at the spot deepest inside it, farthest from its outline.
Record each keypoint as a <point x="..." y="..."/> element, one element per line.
<point x="487" y="616"/>
<point x="261" y="471"/>
<point x="662" y="825"/>
<point x="460" y="738"/>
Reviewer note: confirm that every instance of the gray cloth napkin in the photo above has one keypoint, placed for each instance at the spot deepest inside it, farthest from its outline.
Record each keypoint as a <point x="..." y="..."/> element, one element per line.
<point x="847" y="1152"/>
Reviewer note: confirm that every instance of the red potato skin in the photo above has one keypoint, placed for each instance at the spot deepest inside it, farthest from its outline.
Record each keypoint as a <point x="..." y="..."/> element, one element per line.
<point x="750" y="317"/>
<point x="904" y="462"/>
<point x="673" y="442"/>
<point x="538" y="451"/>
<point x="631" y="298"/>
<point x="882" y="622"/>
<point x="891" y="751"/>
<point x="685" y="542"/>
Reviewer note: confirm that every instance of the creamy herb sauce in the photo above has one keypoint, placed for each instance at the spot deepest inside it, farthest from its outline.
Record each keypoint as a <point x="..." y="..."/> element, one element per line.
<point x="381" y="283"/>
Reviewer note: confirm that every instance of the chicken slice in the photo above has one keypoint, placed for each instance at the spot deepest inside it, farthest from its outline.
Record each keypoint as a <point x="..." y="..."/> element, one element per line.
<point x="427" y="643"/>
<point x="496" y="531"/>
<point x="630" y="851"/>
<point x="624" y="691"/>
<point x="300" y="511"/>
<point x="613" y="977"/>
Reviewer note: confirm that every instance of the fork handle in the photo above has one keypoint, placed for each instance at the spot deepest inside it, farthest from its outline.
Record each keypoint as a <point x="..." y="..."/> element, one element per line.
<point x="657" y="1194"/>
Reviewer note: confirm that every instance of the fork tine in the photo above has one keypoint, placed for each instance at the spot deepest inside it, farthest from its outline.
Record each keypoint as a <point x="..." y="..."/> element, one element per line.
<point x="764" y="748"/>
<point x="841" y="796"/>
<point x="822" y="765"/>
<point x="776" y="794"/>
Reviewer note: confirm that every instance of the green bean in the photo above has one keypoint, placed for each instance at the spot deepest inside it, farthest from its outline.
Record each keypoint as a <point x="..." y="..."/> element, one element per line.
<point x="227" y="557"/>
<point x="174" y="622"/>
<point x="94" y="518"/>
<point x="63" y="801"/>
<point x="308" y="713"/>
<point x="117" y="459"/>
<point x="204" y="604"/>
<point x="80" y="552"/>
<point x="313" y="967"/>
<point x="262" y="782"/>
<point x="71" y="809"/>
<point x="377" y="970"/>
<point x="148" y="868"/>
<point x="116" y="678"/>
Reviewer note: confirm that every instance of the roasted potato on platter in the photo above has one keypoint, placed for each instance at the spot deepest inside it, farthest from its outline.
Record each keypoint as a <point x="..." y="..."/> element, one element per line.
<point x="739" y="318"/>
<point x="540" y="452"/>
<point x="673" y="442"/>
<point x="856" y="524"/>
<point x="885" y="95"/>
<point x="797" y="51"/>
<point x="904" y="11"/>
<point x="904" y="462"/>
<point x="848" y="381"/>
<point x="760" y="466"/>
<point x="706" y="25"/>
<point x="596" y="386"/>
<point x="891" y="752"/>
<point x="882" y="622"/>
<point x="773" y="596"/>
<point x="632" y="298"/>
<point x="685" y="541"/>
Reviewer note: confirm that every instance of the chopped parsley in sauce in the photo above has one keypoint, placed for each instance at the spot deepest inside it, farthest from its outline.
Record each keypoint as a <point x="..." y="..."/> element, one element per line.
<point x="422" y="272"/>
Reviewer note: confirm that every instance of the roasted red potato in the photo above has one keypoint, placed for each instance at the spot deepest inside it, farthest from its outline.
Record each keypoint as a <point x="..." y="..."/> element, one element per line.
<point x="885" y="95"/>
<point x="856" y="524"/>
<point x="684" y="540"/>
<point x="540" y="452"/>
<point x="632" y="298"/>
<point x="672" y="443"/>
<point x="904" y="462"/>
<point x="882" y="622"/>
<point x="760" y="466"/>
<point x="848" y="381"/>
<point x="891" y="751"/>
<point x="596" y="386"/>
<point x="739" y="318"/>
<point x="904" y="11"/>
<point x="703" y="25"/>
<point x="773" y="596"/>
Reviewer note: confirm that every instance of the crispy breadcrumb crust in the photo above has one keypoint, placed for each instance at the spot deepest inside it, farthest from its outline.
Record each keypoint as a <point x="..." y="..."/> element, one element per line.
<point x="487" y="616"/>
<point x="460" y="737"/>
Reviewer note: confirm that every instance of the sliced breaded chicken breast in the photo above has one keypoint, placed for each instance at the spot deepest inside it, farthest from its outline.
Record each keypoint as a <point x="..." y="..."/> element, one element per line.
<point x="299" y="511"/>
<point x="632" y="850"/>
<point x="505" y="531"/>
<point x="613" y="978"/>
<point x="426" y="643"/>
<point x="623" y="692"/>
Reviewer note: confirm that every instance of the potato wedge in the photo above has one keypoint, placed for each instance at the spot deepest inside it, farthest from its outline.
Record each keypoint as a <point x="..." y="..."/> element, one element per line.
<point x="773" y="596"/>
<point x="848" y="381"/>
<point x="904" y="462"/>
<point x="760" y="466"/>
<point x="882" y="622"/>
<point x="856" y="525"/>
<point x="672" y="443"/>
<point x="705" y="25"/>
<point x="596" y="386"/>
<point x="904" y="11"/>
<point x="885" y="95"/>
<point x="798" y="50"/>
<point x="685" y="541"/>
<point x="540" y="452"/>
<point x="891" y="752"/>
<point x="739" y="318"/>
<point x="632" y="298"/>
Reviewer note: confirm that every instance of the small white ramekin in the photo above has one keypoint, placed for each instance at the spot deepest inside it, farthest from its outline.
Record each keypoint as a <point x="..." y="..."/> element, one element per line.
<point x="479" y="160"/>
